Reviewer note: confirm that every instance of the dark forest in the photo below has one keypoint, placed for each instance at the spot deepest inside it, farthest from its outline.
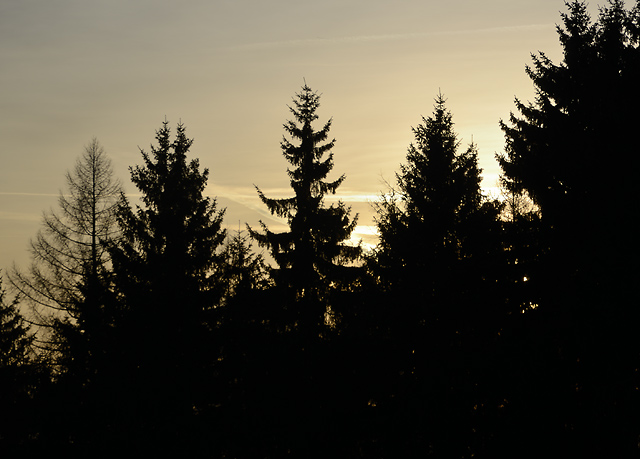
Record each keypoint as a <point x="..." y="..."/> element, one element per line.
<point x="478" y="327"/>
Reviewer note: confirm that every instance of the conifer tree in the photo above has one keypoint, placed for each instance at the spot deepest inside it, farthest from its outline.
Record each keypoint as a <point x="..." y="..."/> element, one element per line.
<point x="312" y="254"/>
<point x="15" y="339"/>
<point x="165" y="261"/>
<point x="572" y="151"/>
<point x="242" y="269"/>
<point x="166" y="275"/>
<point x="427" y="224"/>
<point x="559" y="148"/>
<point x="20" y="376"/>
<point x="67" y="285"/>
<point x="561" y="151"/>
<point x="433" y="265"/>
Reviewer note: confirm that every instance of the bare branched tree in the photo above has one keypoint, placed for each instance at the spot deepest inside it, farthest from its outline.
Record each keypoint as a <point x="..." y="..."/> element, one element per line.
<point x="69" y="255"/>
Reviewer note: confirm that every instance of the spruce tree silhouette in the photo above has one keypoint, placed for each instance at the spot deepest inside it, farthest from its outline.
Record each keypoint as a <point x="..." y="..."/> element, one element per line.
<point x="292" y="376"/>
<point x="429" y="226"/>
<point x="243" y="270"/>
<point x="438" y="236"/>
<point x="312" y="256"/>
<point x="556" y="149"/>
<point x="15" y="337"/>
<point x="563" y="150"/>
<point x="22" y="375"/>
<point x="165" y="269"/>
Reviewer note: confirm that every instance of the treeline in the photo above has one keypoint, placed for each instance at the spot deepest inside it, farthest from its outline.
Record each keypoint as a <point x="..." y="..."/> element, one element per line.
<point x="476" y="328"/>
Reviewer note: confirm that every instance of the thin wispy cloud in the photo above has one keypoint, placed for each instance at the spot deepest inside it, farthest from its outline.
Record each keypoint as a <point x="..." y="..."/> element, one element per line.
<point x="249" y="197"/>
<point x="20" y="217"/>
<point x="357" y="39"/>
<point x="16" y="193"/>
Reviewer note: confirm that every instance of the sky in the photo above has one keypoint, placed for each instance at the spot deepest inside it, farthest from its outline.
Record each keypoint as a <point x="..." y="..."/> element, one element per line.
<point x="71" y="70"/>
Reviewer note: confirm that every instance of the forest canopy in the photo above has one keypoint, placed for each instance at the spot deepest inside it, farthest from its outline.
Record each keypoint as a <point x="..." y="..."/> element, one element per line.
<point x="477" y="327"/>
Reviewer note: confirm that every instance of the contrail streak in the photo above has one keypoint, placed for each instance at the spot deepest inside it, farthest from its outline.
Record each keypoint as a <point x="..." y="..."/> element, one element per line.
<point x="387" y="37"/>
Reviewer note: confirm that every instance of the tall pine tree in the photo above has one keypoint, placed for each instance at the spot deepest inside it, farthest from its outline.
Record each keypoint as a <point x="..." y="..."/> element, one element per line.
<point x="571" y="150"/>
<point x="20" y="376"/>
<point x="312" y="255"/>
<point x="429" y="223"/>
<point x="564" y="151"/>
<point x="165" y="271"/>
<point x="433" y="265"/>
<point x="165" y="260"/>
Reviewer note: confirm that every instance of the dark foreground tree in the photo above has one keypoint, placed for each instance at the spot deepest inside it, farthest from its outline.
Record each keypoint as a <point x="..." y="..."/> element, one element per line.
<point x="19" y="377"/>
<point x="572" y="151"/>
<point x="312" y="256"/>
<point x="165" y="272"/>
<point x="563" y="151"/>
<point x="242" y="270"/>
<point x="437" y="219"/>
<point x="67" y="284"/>
<point x="15" y="337"/>
<point x="168" y="252"/>
<point x="436" y="266"/>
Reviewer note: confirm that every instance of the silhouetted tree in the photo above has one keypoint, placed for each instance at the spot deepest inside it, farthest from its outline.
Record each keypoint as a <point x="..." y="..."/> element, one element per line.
<point x="68" y="281"/>
<point x="15" y="337"/>
<point x="436" y="265"/>
<point x="571" y="151"/>
<point x="243" y="270"/>
<point x="165" y="267"/>
<point x="427" y="225"/>
<point x="557" y="149"/>
<point x="166" y="258"/>
<point x="19" y="376"/>
<point x="312" y="256"/>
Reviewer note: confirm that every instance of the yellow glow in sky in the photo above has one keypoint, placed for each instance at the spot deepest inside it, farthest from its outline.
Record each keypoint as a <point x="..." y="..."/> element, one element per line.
<point x="76" y="69"/>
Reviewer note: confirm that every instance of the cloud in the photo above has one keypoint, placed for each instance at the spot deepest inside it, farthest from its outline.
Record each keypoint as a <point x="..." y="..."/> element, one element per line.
<point x="357" y="39"/>
<point x="19" y="217"/>
<point x="14" y="193"/>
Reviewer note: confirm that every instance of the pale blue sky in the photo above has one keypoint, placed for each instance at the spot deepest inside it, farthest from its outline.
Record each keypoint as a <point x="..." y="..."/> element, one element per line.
<point x="74" y="69"/>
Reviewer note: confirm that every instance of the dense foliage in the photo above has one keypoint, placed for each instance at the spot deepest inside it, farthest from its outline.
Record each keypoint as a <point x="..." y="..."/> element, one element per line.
<point x="477" y="328"/>
<point x="565" y="150"/>
<point x="312" y="256"/>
